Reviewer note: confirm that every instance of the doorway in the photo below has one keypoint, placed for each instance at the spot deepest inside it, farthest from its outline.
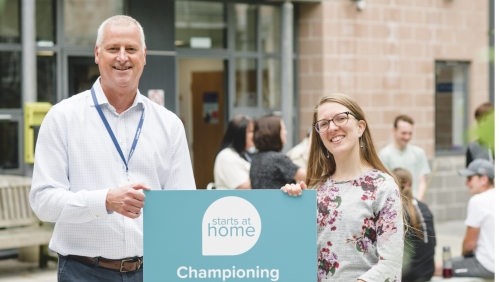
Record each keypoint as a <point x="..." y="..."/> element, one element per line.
<point x="202" y="108"/>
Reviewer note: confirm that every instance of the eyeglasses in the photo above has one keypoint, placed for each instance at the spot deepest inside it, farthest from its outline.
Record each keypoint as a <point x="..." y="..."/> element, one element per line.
<point x="339" y="120"/>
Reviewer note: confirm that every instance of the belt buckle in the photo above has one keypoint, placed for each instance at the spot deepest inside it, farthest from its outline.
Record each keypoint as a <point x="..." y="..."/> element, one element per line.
<point x="122" y="264"/>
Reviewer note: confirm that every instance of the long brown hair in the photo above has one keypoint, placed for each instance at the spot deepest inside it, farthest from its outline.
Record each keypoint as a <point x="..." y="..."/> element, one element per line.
<point x="405" y="183"/>
<point x="319" y="167"/>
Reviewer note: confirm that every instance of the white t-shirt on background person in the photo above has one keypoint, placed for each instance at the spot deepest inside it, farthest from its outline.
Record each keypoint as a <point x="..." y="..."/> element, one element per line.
<point x="231" y="170"/>
<point x="481" y="214"/>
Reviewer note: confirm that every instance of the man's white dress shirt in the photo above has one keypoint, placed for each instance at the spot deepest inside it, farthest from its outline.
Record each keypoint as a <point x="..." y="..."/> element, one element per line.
<point x="76" y="163"/>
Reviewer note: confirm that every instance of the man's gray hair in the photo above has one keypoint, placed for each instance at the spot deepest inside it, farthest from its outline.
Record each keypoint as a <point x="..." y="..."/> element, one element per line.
<point x="119" y="20"/>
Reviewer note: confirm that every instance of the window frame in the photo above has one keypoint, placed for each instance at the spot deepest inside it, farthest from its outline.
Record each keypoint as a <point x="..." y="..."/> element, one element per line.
<point x="466" y="66"/>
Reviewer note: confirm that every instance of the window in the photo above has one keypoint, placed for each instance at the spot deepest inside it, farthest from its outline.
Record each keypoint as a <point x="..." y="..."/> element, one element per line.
<point x="257" y="33"/>
<point x="271" y="83"/>
<point x="9" y="145"/>
<point x="246" y="94"/>
<point x="46" y="77"/>
<point x="10" y="78"/>
<point x="45" y="23"/>
<point x="82" y="18"/>
<point x="245" y="27"/>
<point x="270" y="28"/>
<point x="9" y="21"/>
<point x="451" y="91"/>
<point x="200" y="25"/>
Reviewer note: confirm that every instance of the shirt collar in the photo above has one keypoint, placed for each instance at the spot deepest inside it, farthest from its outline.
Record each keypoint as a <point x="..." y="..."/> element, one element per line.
<point x="102" y="99"/>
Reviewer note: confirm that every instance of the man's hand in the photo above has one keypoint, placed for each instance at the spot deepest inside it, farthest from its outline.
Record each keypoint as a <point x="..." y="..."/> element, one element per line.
<point x="127" y="200"/>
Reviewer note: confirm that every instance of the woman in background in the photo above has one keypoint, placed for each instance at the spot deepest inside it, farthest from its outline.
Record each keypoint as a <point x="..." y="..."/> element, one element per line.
<point x="420" y="240"/>
<point x="270" y="168"/>
<point x="232" y="164"/>
<point x="360" y="230"/>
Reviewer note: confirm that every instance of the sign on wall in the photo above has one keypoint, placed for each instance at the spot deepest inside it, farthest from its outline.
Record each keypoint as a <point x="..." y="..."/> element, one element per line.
<point x="258" y="235"/>
<point x="210" y="107"/>
<point x="157" y="96"/>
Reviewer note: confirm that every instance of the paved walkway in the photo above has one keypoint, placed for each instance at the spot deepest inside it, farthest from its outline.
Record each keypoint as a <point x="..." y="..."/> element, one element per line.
<point x="448" y="234"/>
<point x="12" y="270"/>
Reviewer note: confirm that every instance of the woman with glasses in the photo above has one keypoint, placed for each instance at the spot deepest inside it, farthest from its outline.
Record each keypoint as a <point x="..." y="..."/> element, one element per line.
<point x="360" y="233"/>
<point x="270" y="168"/>
<point x="233" y="161"/>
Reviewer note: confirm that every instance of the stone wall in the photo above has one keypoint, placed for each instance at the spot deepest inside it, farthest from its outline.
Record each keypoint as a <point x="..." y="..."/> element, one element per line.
<point x="447" y="196"/>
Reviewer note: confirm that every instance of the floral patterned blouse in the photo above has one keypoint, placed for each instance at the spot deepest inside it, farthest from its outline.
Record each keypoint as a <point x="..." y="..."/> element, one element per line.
<point x="360" y="232"/>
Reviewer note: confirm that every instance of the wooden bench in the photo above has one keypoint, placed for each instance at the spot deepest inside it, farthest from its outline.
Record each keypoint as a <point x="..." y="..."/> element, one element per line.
<point x="19" y="226"/>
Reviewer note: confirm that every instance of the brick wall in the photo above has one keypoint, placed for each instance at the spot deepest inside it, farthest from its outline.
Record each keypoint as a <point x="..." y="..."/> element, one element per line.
<point x="384" y="56"/>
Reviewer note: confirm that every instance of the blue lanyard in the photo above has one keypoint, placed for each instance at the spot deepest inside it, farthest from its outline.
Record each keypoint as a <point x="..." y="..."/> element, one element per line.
<point x="111" y="134"/>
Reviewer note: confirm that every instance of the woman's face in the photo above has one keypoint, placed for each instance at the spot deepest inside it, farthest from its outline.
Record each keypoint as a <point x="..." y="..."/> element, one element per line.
<point x="341" y="139"/>
<point x="283" y="133"/>
<point x="249" y="135"/>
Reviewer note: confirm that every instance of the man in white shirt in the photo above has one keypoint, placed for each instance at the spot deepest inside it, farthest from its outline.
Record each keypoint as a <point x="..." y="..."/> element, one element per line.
<point x="96" y="152"/>
<point x="478" y="244"/>
<point x="401" y="154"/>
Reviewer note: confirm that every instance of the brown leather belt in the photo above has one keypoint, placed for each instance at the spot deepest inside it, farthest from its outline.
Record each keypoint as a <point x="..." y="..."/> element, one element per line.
<point x="122" y="265"/>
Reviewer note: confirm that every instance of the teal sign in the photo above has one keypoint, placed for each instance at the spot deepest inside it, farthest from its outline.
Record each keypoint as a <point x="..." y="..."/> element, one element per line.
<point x="257" y="235"/>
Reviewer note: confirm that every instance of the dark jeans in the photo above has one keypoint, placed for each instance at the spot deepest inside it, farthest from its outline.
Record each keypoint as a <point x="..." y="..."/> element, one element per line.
<point x="73" y="271"/>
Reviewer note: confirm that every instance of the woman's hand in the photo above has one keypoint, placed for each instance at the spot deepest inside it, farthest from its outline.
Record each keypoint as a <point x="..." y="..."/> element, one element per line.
<point x="294" y="189"/>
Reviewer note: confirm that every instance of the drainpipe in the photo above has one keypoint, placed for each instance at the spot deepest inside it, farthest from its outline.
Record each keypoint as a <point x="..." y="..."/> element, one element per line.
<point x="287" y="73"/>
<point x="28" y="70"/>
<point x="491" y="50"/>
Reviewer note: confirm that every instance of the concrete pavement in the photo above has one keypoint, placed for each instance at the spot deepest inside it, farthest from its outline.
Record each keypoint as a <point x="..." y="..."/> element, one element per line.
<point x="449" y="233"/>
<point x="12" y="270"/>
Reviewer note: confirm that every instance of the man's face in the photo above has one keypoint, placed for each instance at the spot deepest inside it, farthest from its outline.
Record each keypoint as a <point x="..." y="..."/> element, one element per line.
<point x="476" y="184"/>
<point x="121" y="57"/>
<point x="403" y="133"/>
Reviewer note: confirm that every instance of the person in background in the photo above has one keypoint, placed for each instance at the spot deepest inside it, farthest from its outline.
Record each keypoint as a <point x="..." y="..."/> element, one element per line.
<point x="232" y="164"/>
<point x="479" y="149"/>
<point x="420" y="240"/>
<point x="299" y="153"/>
<point x="404" y="155"/>
<point x="96" y="152"/>
<point x="271" y="169"/>
<point x="478" y="255"/>
<point x="360" y="225"/>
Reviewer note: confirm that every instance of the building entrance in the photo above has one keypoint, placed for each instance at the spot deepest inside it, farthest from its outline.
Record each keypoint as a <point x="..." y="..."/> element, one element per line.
<point x="202" y="108"/>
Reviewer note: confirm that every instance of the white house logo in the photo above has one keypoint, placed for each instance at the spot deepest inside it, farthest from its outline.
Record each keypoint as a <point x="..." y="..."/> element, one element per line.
<point x="231" y="226"/>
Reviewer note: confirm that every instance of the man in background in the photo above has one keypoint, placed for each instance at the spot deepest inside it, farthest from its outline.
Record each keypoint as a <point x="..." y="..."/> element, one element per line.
<point x="401" y="154"/>
<point x="478" y="255"/>
<point x="479" y="149"/>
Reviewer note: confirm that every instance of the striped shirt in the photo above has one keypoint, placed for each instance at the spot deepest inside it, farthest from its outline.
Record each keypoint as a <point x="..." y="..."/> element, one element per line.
<point x="77" y="163"/>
